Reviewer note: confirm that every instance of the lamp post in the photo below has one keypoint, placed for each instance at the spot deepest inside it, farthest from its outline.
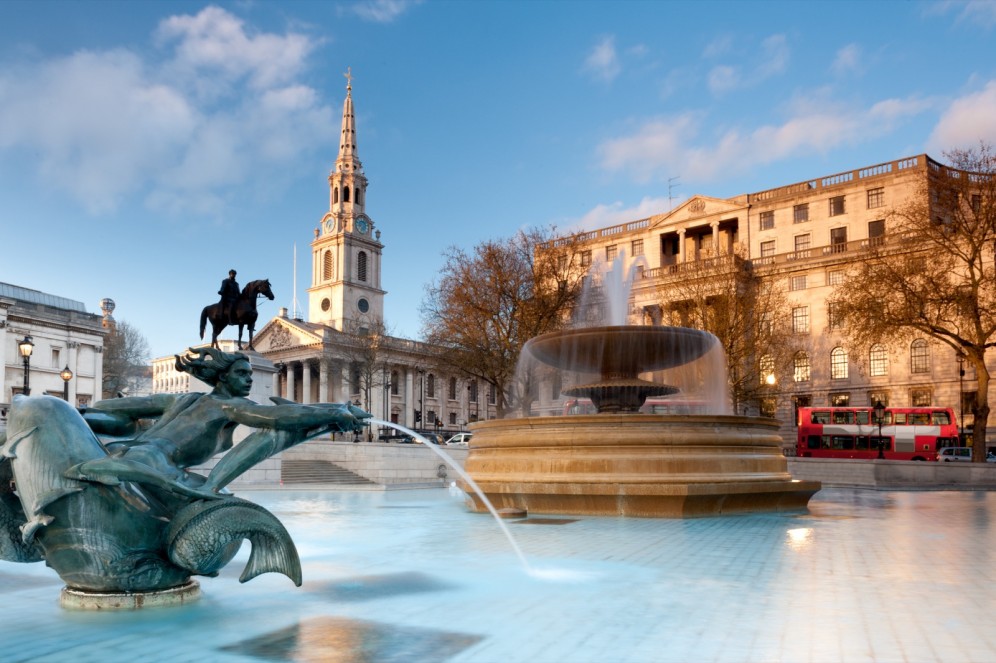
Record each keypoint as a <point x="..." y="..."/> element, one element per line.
<point x="879" y="414"/>
<point x="26" y="347"/>
<point x="961" y="399"/>
<point x="66" y="376"/>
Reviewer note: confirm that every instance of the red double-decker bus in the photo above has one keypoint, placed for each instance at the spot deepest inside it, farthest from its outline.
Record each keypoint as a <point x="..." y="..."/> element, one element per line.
<point x="912" y="433"/>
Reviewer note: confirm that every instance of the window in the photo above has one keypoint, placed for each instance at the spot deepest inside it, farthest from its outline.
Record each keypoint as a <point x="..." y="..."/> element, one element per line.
<point x="767" y="248"/>
<point x="345" y="194"/>
<point x="797" y="282"/>
<point x="976" y="203"/>
<point x="395" y="383"/>
<point x="838" y="364"/>
<point x="768" y="407"/>
<point x="876" y="197"/>
<point x="56" y="358"/>
<point x="800" y="213"/>
<point x="876" y="232"/>
<point x="327" y="266"/>
<point x="800" y="367"/>
<point x="492" y="394"/>
<point x="836" y="205"/>
<point x="586" y="258"/>
<point x="833" y="317"/>
<point x="611" y="252"/>
<point x="878" y="396"/>
<point x="835" y="277"/>
<point x="920" y="398"/>
<point x="878" y="361"/>
<point x="430" y="417"/>
<point x="430" y="386"/>
<point x="452" y="390"/>
<point x="556" y="385"/>
<point x="838" y="240"/>
<point x="919" y="357"/>
<point x="452" y="418"/>
<point x="767" y="220"/>
<point x="841" y="399"/>
<point x="968" y="401"/>
<point x="800" y="320"/>
<point x="472" y="391"/>
<point x="637" y="247"/>
<point x="361" y="266"/>
<point x="766" y="370"/>
<point x="802" y="242"/>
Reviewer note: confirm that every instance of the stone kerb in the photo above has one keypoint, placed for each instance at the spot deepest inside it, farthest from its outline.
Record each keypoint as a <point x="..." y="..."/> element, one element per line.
<point x="895" y="473"/>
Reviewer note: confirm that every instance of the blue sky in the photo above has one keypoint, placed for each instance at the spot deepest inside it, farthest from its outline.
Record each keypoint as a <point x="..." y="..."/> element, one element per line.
<point x="147" y="147"/>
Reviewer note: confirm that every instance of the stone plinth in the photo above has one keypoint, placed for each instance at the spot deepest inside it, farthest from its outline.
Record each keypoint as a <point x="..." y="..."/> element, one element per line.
<point x="77" y="599"/>
<point x="634" y="465"/>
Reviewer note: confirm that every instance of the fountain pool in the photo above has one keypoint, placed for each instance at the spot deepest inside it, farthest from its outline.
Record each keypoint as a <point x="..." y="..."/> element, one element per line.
<point x="412" y="576"/>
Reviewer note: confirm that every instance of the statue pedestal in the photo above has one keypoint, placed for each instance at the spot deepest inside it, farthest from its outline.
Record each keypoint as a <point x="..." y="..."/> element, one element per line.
<point x="78" y="599"/>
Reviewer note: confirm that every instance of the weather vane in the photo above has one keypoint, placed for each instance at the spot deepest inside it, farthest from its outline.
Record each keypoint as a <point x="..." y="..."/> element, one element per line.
<point x="349" y="78"/>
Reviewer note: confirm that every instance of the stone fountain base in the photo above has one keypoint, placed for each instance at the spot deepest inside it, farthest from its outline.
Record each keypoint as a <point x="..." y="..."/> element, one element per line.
<point x="633" y="465"/>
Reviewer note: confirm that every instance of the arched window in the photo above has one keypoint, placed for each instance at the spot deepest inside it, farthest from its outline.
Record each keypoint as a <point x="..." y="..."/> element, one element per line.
<point x="878" y="361"/>
<point x="394" y="383"/>
<point x="452" y="393"/>
<point x="335" y="195"/>
<point x="345" y="194"/>
<point x="838" y="363"/>
<point x="766" y="370"/>
<point x="800" y="367"/>
<point x="919" y="357"/>
<point x="361" y="266"/>
<point x="359" y="196"/>
<point x="327" y="266"/>
<point x="430" y="386"/>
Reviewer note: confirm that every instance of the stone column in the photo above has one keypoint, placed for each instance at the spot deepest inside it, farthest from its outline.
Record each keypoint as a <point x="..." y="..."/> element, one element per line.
<point x="291" y="386"/>
<point x="276" y="382"/>
<point x="715" y="237"/>
<point x="323" y="381"/>
<point x="681" y="245"/>
<point x="71" y="360"/>
<point x="306" y="381"/>
<point x="410" y="400"/>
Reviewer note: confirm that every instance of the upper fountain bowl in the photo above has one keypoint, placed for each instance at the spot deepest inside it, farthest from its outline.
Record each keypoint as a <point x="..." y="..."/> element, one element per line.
<point x="619" y="352"/>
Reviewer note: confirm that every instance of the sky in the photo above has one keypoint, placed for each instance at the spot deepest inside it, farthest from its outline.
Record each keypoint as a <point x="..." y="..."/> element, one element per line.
<point x="148" y="147"/>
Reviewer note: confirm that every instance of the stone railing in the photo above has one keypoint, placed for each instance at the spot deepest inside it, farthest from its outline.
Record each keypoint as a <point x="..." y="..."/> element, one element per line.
<point x="839" y="179"/>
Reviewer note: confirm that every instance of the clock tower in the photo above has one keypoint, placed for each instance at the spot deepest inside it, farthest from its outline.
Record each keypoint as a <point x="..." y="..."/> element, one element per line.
<point x="345" y="290"/>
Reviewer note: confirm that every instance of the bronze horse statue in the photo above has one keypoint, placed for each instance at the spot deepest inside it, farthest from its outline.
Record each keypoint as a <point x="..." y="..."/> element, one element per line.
<point x="244" y="313"/>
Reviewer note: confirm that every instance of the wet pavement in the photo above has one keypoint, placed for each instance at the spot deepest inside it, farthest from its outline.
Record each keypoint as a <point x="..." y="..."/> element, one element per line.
<point x="412" y="576"/>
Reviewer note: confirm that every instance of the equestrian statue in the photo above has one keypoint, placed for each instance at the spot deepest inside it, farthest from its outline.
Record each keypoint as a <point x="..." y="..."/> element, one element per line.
<point x="235" y="308"/>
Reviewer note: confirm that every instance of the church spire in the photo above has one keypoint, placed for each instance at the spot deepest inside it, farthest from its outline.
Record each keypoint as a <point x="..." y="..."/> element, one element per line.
<point x="348" y="160"/>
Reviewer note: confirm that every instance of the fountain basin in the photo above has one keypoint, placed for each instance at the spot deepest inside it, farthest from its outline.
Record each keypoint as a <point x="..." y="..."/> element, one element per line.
<point x="633" y="465"/>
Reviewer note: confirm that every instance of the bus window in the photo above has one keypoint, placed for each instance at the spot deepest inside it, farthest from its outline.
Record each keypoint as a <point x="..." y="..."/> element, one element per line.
<point x="813" y="442"/>
<point x="919" y="418"/>
<point x="843" y="442"/>
<point x="826" y="442"/>
<point x="844" y="417"/>
<point x="864" y="417"/>
<point x="941" y="418"/>
<point x="900" y="418"/>
<point x="821" y="418"/>
<point x="862" y="443"/>
<point x="885" y="441"/>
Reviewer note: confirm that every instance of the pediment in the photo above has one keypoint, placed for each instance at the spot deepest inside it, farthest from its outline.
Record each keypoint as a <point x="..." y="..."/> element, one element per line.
<point x="697" y="207"/>
<point x="281" y="333"/>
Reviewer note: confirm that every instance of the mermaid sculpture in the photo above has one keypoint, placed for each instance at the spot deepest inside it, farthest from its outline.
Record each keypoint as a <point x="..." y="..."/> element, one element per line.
<point x="126" y="514"/>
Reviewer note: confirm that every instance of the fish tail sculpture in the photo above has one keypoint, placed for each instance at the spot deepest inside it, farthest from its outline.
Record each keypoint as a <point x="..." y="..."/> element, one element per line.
<point x="204" y="536"/>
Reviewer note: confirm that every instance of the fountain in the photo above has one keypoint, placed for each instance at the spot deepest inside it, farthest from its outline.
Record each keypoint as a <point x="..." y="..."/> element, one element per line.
<point x="618" y="461"/>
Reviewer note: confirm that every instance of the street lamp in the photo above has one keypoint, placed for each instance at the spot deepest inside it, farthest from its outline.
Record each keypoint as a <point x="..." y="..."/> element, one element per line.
<point x="961" y="399"/>
<point x="66" y="376"/>
<point x="26" y="347"/>
<point x="879" y="414"/>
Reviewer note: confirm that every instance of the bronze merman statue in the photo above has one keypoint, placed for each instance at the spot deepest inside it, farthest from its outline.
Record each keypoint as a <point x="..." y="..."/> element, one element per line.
<point x="128" y="515"/>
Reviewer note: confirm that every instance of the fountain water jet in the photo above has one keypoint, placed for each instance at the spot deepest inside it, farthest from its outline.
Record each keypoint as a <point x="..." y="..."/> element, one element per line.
<point x="620" y="462"/>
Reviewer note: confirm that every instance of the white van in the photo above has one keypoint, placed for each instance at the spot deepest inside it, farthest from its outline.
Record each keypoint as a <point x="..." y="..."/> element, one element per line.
<point x="949" y="454"/>
<point x="459" y="440"/>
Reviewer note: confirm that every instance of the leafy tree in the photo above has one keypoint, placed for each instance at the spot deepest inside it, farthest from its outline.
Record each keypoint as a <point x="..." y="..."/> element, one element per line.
<point x="936" y="275"/>
<point x="748" y="313"/>
<point x="125" y="360"/>
<point x="486" y="303"/>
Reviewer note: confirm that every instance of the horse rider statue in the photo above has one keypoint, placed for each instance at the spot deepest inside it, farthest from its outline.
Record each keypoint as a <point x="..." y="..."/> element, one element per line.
<point x="229" y="296"/>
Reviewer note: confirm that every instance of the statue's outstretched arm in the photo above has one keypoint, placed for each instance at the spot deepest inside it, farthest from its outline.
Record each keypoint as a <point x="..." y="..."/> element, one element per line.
<point x="136" y="407"/>
<point x="294" y="416"/>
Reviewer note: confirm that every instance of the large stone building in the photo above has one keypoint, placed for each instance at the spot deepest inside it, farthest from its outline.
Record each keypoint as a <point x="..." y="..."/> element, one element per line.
<point x="341" y="351"/>
<point x="805" y="234"/>
<point x="68" y="343"/>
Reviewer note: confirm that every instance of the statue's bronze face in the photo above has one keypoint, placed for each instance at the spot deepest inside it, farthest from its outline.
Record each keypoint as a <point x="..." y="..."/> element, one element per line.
<point x="239" y="378"/>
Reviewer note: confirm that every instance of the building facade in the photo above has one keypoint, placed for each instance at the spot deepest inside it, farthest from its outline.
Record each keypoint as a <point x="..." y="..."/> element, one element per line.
<point x="341" y="352"/>
<point x="805" y="235"/>
<point x="68" y="342"/>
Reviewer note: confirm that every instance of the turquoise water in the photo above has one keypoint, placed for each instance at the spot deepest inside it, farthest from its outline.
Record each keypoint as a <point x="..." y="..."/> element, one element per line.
<point x="412" y="576"/>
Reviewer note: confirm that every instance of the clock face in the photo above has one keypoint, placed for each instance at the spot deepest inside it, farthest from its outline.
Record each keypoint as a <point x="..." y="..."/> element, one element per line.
<point x="363" y="305"/>
<point x="362" y="226"/>
<point x="329" y="225"/>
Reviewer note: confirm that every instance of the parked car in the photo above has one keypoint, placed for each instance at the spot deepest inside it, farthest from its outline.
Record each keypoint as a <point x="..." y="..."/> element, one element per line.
<point x="950" y="454"/>
<point x="435" y="438"/>
<point x="459" y="440"/>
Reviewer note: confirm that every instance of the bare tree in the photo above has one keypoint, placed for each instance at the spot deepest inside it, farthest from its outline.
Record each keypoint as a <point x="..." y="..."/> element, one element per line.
<point x="745" y="310"/>
<point x="487" y="303"/>
<point x="363" y="352"/>
<point x="935" y="276"/>
<point x="125" y="360"/>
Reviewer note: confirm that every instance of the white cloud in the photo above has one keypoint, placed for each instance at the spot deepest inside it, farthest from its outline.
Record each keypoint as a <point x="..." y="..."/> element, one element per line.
<point x="603" y="216"/>
<point x="773" y="59"/>
<point x="981" y="13"/>
<point x="108" y="125"/>
<point x="723" y="78"/>
<point x="664" y="147"/>
<point x="603" y="61"/>
<point x="719" y="46"/>
<point x="847" y="60"/>
<point x="966" y="121"/>
<point x="382" y="11"/>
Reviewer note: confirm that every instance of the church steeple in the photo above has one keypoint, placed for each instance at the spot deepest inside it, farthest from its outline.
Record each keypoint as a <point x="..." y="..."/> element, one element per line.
<point x="345" y="290"/>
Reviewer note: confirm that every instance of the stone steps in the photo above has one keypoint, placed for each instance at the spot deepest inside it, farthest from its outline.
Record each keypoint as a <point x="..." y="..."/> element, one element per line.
<point x="318" y="471"/>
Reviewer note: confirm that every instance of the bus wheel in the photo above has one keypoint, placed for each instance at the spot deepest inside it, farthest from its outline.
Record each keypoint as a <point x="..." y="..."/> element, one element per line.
<point x="919" y="458"/>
